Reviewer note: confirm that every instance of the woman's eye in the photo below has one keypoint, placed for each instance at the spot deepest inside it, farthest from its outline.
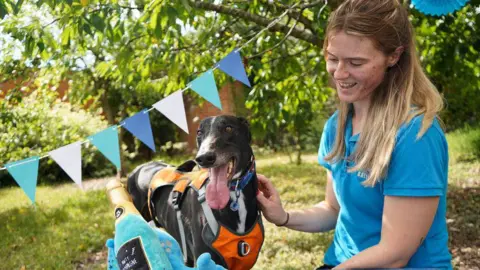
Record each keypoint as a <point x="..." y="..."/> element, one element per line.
<point x="356" y="64"/>
<point x="228" y="129"/>
<point x="333" y="60"/>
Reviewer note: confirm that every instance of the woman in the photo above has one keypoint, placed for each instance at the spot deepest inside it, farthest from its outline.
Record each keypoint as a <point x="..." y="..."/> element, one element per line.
<point x="384" y="150"/>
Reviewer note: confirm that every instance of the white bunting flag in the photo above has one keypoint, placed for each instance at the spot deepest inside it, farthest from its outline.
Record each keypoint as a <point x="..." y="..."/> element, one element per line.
<point x="174" y="109"/>
<point x="69" y="158"/>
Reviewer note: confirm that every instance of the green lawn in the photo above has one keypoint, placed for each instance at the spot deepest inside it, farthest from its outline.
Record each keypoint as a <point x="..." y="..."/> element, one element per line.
<point x="68" y="227"/>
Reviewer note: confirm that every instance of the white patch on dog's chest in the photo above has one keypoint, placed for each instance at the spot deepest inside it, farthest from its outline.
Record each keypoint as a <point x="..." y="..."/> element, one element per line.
<point x="242" y="211"/>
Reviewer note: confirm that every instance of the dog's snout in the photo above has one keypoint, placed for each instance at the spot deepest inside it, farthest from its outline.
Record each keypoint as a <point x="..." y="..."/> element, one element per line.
<point x="206" y="160"/>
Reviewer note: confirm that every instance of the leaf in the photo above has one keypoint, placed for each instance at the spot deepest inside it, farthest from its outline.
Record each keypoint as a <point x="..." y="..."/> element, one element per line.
<point x="187" y="5"/>
<point x="41" y="46"/>
<point x="98" y="22"/>
<point x="153" y="19"/>
<point x="29" y="43"/>
<point x="3" y="9"/>
<point x="65" y="36"/>
<point x="87" y="29"/>
<point x="17" y="7"/>
<point x="84" y="2"/>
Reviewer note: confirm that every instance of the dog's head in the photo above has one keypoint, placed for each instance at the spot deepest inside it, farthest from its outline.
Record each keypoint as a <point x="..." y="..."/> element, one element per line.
<point x="224" y="149"/>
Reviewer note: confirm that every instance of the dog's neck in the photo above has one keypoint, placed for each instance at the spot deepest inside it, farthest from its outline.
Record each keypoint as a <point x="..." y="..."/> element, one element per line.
<point x="244" y="218"/>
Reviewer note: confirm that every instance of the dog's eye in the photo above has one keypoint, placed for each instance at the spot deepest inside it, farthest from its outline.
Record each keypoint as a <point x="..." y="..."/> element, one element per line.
<point x="228" y="129"/>
<point x="199" y="132"/>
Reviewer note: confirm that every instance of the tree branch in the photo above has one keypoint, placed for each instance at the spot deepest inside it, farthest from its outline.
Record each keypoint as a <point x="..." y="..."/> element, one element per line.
<point x="302" y="19"/>
<point x="281" y="41"/>
<point x="278" y="27"/>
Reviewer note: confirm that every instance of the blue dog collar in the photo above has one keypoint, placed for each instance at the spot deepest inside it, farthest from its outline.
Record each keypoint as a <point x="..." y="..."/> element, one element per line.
<point x="242" y="181"/>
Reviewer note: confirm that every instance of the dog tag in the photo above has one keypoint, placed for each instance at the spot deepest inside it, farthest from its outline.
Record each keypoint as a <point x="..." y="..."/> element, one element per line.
<point x="234" y="206"/>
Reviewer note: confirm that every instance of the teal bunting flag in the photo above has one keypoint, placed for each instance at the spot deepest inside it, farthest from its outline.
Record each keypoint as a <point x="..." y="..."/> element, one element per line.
<point x="107" y="142"/>
<point x="139" y="125"/>
<point x="232" y="65"/>
<point x="206" y="87"/>
<point x="25" y="173"/>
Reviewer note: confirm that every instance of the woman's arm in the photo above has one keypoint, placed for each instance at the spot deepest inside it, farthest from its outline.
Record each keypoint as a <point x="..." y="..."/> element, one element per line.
<point x="405" y="224"/>
<point x="319" y="218"/>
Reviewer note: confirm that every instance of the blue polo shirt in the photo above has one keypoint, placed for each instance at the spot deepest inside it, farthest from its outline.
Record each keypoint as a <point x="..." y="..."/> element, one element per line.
<point x="417" y="168"/>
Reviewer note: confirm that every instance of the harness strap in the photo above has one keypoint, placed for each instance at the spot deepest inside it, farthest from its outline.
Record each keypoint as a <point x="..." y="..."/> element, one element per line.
<point x="166" y="176"/>
<point x="182" y="234"/>
<point x="212" y="222"/>
<point x="177" y="195"/>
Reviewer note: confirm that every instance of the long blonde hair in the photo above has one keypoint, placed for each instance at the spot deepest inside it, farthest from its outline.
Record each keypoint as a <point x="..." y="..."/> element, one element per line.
<point x="404" y="93"/>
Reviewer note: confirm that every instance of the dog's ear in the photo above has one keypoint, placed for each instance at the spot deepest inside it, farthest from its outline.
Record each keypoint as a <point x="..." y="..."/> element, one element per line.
<point x="244" y="122"/>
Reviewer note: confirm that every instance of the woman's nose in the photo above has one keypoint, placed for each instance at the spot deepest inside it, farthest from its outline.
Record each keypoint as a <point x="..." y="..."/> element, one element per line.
<point x="340" y="72"/>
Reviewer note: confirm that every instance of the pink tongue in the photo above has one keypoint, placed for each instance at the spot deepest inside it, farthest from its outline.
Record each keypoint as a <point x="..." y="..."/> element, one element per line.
<point x="217" y="193"/>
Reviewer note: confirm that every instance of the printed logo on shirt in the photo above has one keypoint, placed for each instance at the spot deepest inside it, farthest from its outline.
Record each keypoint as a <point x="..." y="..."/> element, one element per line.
<point x="362" y="174"/>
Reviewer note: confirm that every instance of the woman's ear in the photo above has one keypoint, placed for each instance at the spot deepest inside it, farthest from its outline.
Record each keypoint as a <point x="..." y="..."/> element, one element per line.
<point x="395" y="56"/>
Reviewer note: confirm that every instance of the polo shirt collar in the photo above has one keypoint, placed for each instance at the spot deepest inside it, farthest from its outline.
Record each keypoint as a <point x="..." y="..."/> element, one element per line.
<point x="348" y="130"/>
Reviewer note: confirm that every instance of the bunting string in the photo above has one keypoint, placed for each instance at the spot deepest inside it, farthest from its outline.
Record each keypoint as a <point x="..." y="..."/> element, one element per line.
<point x="25" y="172"/>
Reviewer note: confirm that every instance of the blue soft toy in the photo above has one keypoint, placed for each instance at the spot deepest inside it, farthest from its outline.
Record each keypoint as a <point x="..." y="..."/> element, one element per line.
<point x="136" y="245"/>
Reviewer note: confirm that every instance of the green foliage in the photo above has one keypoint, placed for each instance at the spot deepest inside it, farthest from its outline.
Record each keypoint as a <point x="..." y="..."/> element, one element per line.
<point x="38" y="124"/>
<point x="141" y="54"/>
<point x="127" y="55"/>
<point x="450" y="52"/>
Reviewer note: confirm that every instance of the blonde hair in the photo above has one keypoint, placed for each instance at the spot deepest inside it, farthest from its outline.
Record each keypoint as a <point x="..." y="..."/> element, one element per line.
<point x="404" y="93"/>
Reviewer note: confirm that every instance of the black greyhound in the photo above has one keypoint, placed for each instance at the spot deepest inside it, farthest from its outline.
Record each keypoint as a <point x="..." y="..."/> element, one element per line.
<point x="231" y="188"/>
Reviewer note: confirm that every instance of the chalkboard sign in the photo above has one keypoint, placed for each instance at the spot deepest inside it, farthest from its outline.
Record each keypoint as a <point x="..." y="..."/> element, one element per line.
<point x="132" y="256"/>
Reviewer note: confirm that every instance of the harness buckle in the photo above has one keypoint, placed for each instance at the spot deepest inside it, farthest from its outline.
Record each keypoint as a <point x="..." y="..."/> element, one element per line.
<point x="176" y="199"/>
<point x="201" y="195"/>
<point x="243" y="248"/>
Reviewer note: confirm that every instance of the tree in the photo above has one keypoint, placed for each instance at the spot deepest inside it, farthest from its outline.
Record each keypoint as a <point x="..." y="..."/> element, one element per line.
<point x="144" y="47"/>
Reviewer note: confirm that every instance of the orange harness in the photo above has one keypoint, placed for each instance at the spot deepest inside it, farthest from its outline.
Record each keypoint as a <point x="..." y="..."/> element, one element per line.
<point x="239" y="251"/>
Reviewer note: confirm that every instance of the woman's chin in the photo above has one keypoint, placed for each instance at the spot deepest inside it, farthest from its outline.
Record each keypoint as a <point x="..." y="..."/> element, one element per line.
<point x="346" y="98"/>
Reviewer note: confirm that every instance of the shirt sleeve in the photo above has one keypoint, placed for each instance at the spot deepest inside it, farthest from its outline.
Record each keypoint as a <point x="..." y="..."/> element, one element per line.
<point x="325" y="144"/>
<point x="418" y="167"/>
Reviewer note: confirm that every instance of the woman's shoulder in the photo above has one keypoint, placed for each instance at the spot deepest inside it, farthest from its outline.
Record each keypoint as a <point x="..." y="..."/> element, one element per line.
<point x="413" y="128"/>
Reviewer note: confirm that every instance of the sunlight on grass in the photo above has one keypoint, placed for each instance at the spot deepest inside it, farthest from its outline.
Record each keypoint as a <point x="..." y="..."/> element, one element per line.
<point x="60" y="231"/>
<point x="464" y="144"/>
<point x="464" y="152"/>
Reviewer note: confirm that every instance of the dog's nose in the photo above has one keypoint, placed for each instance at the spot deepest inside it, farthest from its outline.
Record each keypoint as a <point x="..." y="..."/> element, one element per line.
<point x="206" y="160"/>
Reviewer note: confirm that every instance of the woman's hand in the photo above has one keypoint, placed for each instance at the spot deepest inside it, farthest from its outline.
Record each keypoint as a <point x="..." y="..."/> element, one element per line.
<point x="270" y="202"/>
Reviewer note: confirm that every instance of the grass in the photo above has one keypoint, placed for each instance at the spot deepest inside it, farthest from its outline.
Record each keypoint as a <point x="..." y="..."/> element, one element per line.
<point x="61" y="231"/>
<point x="68" y="227"/>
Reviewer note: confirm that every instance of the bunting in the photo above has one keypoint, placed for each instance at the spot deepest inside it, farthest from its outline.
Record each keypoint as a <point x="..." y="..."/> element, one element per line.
<point x="25" y="173"/>
<point x="205" y="86"/>
<point x="173" y="108"/>
<point x="232" y="65"/>
<point x="139" y="126"/>
<point x="107" y="142"/>
<point x="69" y="158"/>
